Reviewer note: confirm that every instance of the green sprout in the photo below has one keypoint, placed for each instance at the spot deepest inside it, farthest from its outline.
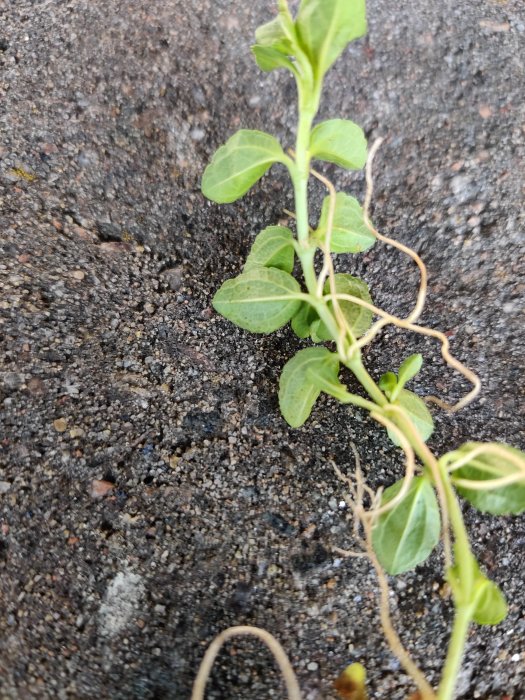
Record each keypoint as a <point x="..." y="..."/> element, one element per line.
<point x="399" y="527"/>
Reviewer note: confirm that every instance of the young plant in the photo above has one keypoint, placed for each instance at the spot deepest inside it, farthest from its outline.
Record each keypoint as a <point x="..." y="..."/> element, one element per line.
<point x="404" y="523"/>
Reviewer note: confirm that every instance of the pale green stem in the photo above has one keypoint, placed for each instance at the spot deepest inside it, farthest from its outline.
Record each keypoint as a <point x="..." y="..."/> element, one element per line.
<point x="300" y="182"/>
<point x="302" y="161"/>
<point x="308" y="105"/>
<point x="456" y="647"/>
<point x="464" y="606"/>
<point x="357" y="400"/>
<point x="462" y="551"/>
<point x="355" y="365"/>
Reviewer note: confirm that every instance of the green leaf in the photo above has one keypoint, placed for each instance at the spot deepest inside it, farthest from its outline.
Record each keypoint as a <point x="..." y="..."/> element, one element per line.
<point x="297" y="391"/>
<point x="273" y="35"/>
<point x="418" y="413"/>
<point x="303" y="319"/>
<point x="318" y="332"/>
<point x="261" y="300"/>
<point x="387" y="383"/>
<point x="268" y="59"/>
<point x="407" y="371"/>
<point x="339" y="141"/>
<point x="358" y="318"/>
<point x="506" y="500"/>
<point x="237" y="165"/>
<point x="491" y="607"/>
<point x="406" y="535"/>
<point x="275" y="44"/>
<point x="350" y="234"/>
<point x="325" y="27"/>
<point x="324" y="380"/>
<point x="409" y="368"/>
<point x="272" y="247"/>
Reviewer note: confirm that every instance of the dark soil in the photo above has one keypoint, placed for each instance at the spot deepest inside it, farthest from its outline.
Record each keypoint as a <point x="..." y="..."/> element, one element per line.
<point x="150" y="493"/>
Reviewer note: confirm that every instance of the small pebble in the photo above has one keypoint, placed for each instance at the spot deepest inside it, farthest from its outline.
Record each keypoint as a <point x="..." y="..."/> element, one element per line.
<point x="485" y="111"/>
<point x="100" y="488"/>
<point x="60" y="425"/>
<point x="76" y="433"/>
<point x="35" y="386"/>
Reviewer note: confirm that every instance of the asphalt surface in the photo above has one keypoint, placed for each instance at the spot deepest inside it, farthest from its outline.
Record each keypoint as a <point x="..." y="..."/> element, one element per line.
<point x="150" y="493"/>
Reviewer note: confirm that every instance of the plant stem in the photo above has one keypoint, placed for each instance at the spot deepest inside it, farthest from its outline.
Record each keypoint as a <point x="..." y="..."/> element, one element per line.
<point x="462" y="551"/>
<point x="302" y="161"/>
<point x="463" y="599"/>
<point x="308" y="105"/>
<point x="301" y="176"/>
<point x="356" y="400"/>
<point x="361" y="374"/>
<point x="463" y="596"/>
<point x="456" y="648"/>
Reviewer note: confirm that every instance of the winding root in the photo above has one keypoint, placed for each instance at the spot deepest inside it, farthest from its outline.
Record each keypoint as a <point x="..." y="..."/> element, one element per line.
<point x="407" y="323"/>
<point x="422" y="330"/>
<point x="422" y="293"/>
<point x="273" y="645"/>
<point x="328" y="267"/>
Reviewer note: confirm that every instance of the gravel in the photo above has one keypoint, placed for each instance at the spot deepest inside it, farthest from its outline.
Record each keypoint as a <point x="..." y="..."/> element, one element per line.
<point x="150" y="493"/>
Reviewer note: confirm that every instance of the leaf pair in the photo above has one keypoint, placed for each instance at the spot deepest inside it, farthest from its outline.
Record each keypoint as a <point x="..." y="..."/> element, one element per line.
<point x="248" y="155"/>
<point x="319" y="34"/>
<point x="306" y="323"/>
<point x="265" y="296"/>
<point x="489" y="462"/>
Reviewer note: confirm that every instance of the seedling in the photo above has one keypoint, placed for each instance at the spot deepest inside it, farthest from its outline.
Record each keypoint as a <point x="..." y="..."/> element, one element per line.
<point x="400" y="526"/>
